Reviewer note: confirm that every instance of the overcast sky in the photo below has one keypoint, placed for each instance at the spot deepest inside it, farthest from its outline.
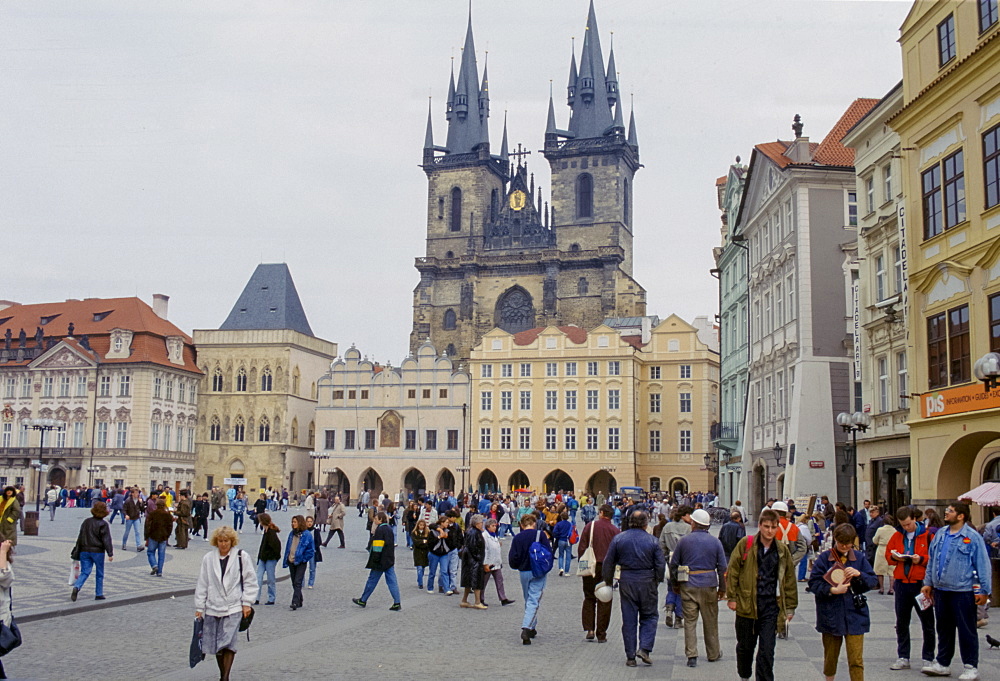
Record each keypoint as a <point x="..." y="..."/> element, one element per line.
<point x="169" y="147"/>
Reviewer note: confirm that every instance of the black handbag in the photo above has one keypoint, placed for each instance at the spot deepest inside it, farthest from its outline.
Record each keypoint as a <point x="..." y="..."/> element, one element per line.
<point x="10" y="637"/>
<point x="246" y="620"/>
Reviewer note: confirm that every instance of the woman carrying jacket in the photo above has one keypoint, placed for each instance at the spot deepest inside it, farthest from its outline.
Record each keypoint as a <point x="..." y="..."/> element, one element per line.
<point x="268" y="556"/>
<point x="842" y="611"/>
<point x="226" y="588"/>
<point x="93" y="541"/>
<point x="299" y="551"/>
<point x="10" y="513"/>
<point x="420" y="540"/>
<point x="473" y="553"/>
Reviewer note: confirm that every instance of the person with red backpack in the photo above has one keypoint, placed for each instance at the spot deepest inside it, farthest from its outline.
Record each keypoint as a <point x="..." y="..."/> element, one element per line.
<point x="761" y="590"/>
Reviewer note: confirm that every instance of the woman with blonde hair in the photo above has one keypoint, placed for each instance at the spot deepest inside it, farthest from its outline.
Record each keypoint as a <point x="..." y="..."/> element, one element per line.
<point x="227" y="586"/>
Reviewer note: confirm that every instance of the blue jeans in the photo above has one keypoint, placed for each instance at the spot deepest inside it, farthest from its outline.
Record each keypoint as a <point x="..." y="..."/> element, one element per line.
<point x="565" y="555"/>
<point x="674" y="603"/>
<point x="952" y="610"/>
<point x="88" y="561"/>
<point x="453" y="566"/>
<point x="409" y="540"/>
<point x="114" y="514"/>
<point x="157" y="550"/>
<point x="390" y="581"/>
<point x="434" y="562"/>
<point x="572" y="516"/>
<point x="312" y="570"/>
<point x="420" y="576"/>
<point x="802" y="567"/>
<point x="267" y="566"/>
<point x="129" y="525"/>
<point x="532" y="588"/>
<point x="238" y="520"/>
<point x="505" y="530"/>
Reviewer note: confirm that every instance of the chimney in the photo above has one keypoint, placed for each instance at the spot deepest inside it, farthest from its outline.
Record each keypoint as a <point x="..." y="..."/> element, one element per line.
<point x="799" y="150"/>
<point x="160" y="305"/>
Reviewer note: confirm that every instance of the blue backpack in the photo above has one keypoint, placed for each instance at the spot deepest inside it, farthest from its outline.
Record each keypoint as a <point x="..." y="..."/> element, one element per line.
<point x="540" y="556"/>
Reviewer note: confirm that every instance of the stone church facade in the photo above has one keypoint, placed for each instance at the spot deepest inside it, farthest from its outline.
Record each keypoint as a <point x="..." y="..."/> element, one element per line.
<point x="497" y="254"/>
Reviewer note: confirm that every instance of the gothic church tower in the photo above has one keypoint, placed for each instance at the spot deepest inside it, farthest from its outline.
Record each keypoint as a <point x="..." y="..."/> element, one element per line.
<point x="496" y="254"/>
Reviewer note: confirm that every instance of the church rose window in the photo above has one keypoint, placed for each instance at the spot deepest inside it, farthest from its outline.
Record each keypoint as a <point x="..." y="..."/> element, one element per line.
<point x="515" y="311"/>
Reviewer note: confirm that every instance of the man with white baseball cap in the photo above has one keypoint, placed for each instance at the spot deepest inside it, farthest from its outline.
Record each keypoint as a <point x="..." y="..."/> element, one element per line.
<point x="697" y="569"/>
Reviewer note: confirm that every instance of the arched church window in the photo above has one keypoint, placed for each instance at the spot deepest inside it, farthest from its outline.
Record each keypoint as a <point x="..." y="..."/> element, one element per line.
<point x="241" y="380"/>
<point x="266" y="381"/>
<point x="217" y="380"/>
<point x="515" y="311"/>
<point x="627" y="207"/>
<point x="582" y="286"/>
<point x="239" y="430"/>
<point x="494" y="205"/>
<point x="215" y="430"/>
<point x="449" y="320"/>
<point x="265" y="430"/>
<point x="456" y="209"/>
<point x="585" y="196"/>
<point x="574" y="247"/>
<point x="450" y="350"/>
<point x="450" y="254"/>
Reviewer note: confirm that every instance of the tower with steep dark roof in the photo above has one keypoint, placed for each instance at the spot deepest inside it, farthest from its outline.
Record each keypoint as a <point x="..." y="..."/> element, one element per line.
<point x="497" y="254"/>
<point x="269" y="301"/>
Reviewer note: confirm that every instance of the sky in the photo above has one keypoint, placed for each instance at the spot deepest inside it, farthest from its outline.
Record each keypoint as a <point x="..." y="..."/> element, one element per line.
<point x="170" y="147"/>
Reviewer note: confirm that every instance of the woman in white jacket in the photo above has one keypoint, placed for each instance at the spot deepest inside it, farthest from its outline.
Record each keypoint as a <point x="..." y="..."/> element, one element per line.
<point x="227" y="587"/>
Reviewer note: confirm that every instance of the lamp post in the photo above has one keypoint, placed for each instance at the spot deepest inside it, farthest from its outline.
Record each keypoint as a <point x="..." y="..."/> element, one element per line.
<point x="42" y="426"/>
<point x="987" y="370"/>
<point x="317" y="457"/>
<point x="852" y="423"/>
<point x="712" y="466"/>
<point x="90" y="474"/>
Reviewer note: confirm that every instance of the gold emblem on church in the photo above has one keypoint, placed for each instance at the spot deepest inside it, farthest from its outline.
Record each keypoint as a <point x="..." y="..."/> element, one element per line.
<point x="518" y="200"/>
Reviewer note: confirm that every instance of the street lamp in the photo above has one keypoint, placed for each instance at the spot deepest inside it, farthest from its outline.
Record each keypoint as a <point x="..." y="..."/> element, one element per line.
<point x="852" y="423"/>
<point x="42" y="426"/>
<point x="317" y="457"/>
<point x="987" y="370"/>
<point x="778" y="449"/>
<point x="90" y="474"/>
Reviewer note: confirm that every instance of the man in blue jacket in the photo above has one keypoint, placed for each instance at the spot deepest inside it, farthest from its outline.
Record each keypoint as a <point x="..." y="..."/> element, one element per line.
<point x="532" y="587"/>
<point x="958" y="578"/>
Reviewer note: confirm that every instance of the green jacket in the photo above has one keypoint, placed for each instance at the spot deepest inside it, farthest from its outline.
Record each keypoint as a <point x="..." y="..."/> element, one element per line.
<point x="741" y="581"/>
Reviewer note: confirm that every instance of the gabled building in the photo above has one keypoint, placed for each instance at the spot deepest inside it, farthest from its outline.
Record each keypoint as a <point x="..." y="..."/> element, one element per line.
<point x="798" y="210"/>
<point x="118" y="373"/>
<point x="259" y="394"/>
<point x="497" y="254"/>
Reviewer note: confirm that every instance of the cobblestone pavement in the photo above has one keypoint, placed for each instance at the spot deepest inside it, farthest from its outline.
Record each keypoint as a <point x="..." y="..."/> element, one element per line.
<point x="331" y="638"/>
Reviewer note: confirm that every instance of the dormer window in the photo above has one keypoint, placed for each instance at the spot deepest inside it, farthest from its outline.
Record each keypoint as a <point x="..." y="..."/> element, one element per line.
<point x="119" y="343"/>
<point x="46" y="320"/>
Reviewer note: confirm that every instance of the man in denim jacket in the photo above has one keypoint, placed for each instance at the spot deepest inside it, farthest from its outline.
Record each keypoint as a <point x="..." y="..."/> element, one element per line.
<point x="958" y="561"/>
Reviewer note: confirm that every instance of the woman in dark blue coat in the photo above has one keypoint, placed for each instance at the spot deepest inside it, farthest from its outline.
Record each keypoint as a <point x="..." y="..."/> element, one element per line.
<point x="842" y="611"/>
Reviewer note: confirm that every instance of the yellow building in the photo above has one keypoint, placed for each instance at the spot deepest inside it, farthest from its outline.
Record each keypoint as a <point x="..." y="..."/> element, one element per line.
<point x="629" y="403"/>
<point x="949" y="129"/>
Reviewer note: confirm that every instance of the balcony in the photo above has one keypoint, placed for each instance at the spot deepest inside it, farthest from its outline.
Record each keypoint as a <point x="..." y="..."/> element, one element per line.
<point x="43" y="454"/>
<point x="726" y="435"/>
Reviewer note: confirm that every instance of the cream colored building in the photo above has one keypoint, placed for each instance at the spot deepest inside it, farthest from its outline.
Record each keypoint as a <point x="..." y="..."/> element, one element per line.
<point x="122" y="378"/>
<point x="883" y="457"/>
<point x="949" y="129"/>
<point x="394" y="430"/>
<point x="629" y="403"/>
<point x="258" y="394"/>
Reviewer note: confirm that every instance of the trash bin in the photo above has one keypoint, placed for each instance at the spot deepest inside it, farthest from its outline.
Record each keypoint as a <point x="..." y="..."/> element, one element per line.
<point x="31" y="523"/>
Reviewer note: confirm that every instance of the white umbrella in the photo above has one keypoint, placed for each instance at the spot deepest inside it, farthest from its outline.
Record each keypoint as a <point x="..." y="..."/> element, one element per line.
<point x="987" y="494"/>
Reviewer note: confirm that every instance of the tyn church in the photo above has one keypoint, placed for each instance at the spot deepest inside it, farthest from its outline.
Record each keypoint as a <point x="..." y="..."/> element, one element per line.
<point x="497" y="255"/>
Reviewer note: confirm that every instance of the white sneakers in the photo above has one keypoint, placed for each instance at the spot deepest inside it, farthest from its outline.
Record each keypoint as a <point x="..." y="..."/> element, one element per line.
<point x="901" y="663"/>
<point x="935" y="669"/>
<point x="970" y="673"/>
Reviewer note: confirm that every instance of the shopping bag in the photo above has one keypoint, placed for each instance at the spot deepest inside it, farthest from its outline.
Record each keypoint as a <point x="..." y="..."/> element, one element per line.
<point x="74" y="572"/>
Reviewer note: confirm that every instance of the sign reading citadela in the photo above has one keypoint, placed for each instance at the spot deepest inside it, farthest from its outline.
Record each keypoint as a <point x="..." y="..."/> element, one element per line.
<point x="958" y="400"/>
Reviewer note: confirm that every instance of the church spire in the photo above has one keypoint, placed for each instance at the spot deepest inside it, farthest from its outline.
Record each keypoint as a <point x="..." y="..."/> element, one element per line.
<point x="633" y="138"/>
<point x="573" y="75"/>
<point x="591" y="102"/>
<point x="467" y="126"/>
<point x="550" y="125"/>
<point x="611" y="81"/>
<point x="451" y="91"/>
<point x="504" y="152"/>
<point x="429" y="135"/>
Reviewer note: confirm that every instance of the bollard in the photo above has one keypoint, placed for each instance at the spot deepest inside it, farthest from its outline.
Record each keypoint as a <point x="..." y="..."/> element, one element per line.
<point x="31" y="523"/>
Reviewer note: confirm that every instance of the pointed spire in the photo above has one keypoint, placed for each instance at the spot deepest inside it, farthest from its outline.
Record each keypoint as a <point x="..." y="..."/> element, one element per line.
<point x="592" y="115"/>
<point x="451" y="91"/>
<point x="484" y="91"/>
<point x="467" y="126"/>
<point x="573" y="76"/>
<point x="550" y="126"/>
<point x="633" y="139"/>
<point x="429" y="135"/>
<point x="504" y="153"/>
<point x="619" y="123"/>
<point x="611" y="81"/>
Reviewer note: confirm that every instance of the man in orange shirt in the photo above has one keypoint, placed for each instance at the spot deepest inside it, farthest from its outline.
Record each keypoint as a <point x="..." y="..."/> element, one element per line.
<point x="912" y="539"/>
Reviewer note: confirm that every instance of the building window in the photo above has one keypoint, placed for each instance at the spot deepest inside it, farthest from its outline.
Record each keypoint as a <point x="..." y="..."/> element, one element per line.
<point x="506" y="400"/>
<point x="486" y="371"/>
<point x="11" y="388"/>
<point x="102" y="435"/>
<point x="329" y="439"/>
<point x="431" y="440"/>
<point x="525" y="399"/>
<point x="946" y="40"/>
<point x="121" y="440"/>
<point x="614" y="368"/>
<point x="931" y="188"/>
<point x="551" y="400"/>
<point x="870" y="194"/>
<point x="902" y="381"/>
<point x="364" y="394"/>
<point x="78" y="433"/>
<point x="570" y="438"/>
<point x="168" y="432"/>
<point x="157" y="388"/>
<point x="626" y="203"/>
<point x="239" y="430"/>
<point x="614" y="399"/>
<point x="505" y="438"/>
<point x="154" y="436"/>
<point x="48" y="384"/>
<point x="954" y="190"/>
<point x="124" y="385"/>
<point x="190" y="442"/>
<point x="781" y="408"/>
<point x="570" y="400"/>
<point x="506" y="370"/>
<point x="26" y="387"/>
<point x="170" y="390"/>
<point x="591" y="368"/>
<point x="852" y="209"/>
<point x="350" y="439"/>
<point x="485" y="438"/>
<point x="456" y="209"/>
<point x="883" y="385"/>
<point x="654" y="440"/>
<point x="263" y="431"/>
<point x="585" y="196"/>
<point x="452" y="440"/>
<point x="879" y="278"/>
<point x="937" y="352"/>
<point x="241" y="380"/>
<point x="685" y="371"/>
<point x="442" y="393"/>
<point x="339" y="394"/>
<point x="217" y="380"/>
<point x="449" y="320"/>
<point x="887" y="181"/>
<point x="582" y="287"/>
<point x="654" y="373"/>
<point x="411" y="393"/>
<point x="654" y="403"/>
<point x="592" y="438"/>
<point x="991" y="162"/>
<point x="987" y="14"/>
<point x="551" y="369"/>
<point x="215" y="430"/>
<point x="64" y="384"/>
<point x="958" y="345"/>
<point x="426" y="392"/>
<point x="486" y="400"/>
<point x="182" y="391"/>
<point x="592" y="400"/>
<point x="685" y="440"/>
<point x="524" y="437"/>
<point x="685" y="403"/>
<point x="525" y="369"/>
<point x="266" y="380"/>
<point x="614" y="438"/>
<point x="571" y="368"/>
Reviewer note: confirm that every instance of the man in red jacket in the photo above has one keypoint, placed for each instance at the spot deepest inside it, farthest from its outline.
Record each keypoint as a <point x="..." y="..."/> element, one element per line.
<point x="908" y="551"/>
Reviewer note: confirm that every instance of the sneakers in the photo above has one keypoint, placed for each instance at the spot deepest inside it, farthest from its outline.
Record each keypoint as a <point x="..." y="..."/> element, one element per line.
<point x="358" y="602"/>
<point x="101" y="598"/>
<point x="970" y="673"/>
<point x="901" y="663"/>
<point x="396" y="607"/>
<point x="73" y="594"/>
<point x="560" y="573"/>
<point x="450" y="593"/>
<point x="643" y="655"/>
<point x="936" y="669"/>
<point x="630" y="662"/>
<point x="430" y="591"/>
<point x="525" y="636"/>
<point x="669" y="621"/>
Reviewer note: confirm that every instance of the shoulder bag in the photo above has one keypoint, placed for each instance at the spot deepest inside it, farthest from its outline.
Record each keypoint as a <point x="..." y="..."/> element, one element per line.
<point x="586" y="565"/>
<point x="245" y="620"/>
<point x="10" y="637"/>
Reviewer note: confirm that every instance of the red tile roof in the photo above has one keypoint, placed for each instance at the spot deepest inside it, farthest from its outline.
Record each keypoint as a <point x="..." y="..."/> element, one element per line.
<point x="574" y="333"/>
<point x="721" y="181"/>
<point x="829" y="152"/>
<point x="634" y="341"/>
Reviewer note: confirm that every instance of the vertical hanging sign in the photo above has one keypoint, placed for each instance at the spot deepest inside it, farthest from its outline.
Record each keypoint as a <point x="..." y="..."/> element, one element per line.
<point x="904" y="285"/>
<point x="856" y="319"/>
